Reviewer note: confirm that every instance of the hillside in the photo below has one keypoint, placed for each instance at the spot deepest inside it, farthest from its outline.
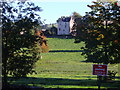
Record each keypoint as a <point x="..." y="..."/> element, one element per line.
<point x="64" y="67"/>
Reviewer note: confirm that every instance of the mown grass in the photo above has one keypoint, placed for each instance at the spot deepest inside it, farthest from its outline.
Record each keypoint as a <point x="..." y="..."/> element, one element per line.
<point x="64" y="69"/>
<point x="63" y="44"/>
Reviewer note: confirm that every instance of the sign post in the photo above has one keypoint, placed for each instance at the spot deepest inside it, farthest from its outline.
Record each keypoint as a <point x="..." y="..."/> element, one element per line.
<point x="99" y="70"/>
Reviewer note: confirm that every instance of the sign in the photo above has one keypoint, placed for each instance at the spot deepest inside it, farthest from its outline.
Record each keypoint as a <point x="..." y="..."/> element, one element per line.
<point x="100" y="70"/>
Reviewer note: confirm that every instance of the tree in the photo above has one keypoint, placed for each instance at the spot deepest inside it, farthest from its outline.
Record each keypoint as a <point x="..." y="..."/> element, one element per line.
<point x="76" y="15"/>
<point x="76" y="24"/>
<point x="18" y="42"/>
<point x="101" y="34"/>
<point x="53" y="30"/>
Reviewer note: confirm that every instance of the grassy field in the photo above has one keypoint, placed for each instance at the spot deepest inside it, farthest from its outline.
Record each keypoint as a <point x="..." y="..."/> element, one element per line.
<point x="64" y="67"/>
<point x="63" y="44"/>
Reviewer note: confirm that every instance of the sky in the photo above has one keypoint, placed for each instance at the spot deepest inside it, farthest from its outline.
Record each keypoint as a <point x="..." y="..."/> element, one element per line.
<point x="54" y="9"/>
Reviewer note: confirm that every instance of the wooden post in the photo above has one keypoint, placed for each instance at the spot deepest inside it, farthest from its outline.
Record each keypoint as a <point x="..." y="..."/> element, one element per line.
<point x="99" y="79"/>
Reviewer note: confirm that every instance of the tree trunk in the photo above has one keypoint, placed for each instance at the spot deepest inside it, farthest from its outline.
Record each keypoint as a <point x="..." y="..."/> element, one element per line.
<point x="4" y="73"/>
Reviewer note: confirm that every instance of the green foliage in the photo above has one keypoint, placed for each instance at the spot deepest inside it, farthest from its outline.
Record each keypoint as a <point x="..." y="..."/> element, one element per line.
<point x="18" y="43"/>
<point x="76" y="15"/>
<point x="111" y="74"/>
<point x="51" y="31"/>
<point x="99" y="29"/>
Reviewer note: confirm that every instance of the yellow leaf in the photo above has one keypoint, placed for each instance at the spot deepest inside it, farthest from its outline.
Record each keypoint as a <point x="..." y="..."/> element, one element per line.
<point x="101" y="36"/>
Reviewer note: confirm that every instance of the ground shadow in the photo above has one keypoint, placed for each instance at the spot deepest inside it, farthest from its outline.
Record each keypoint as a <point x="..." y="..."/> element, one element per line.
<point x="61" y="37"/>
<point x="60" y="81"/>
<point x="66" y="51"/>
<point x="87" y="61"/>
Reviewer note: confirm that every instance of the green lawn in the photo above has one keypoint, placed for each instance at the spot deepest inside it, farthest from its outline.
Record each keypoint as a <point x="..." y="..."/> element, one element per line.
<point x="63" y="44"/>
<point x="64" y="69"/>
